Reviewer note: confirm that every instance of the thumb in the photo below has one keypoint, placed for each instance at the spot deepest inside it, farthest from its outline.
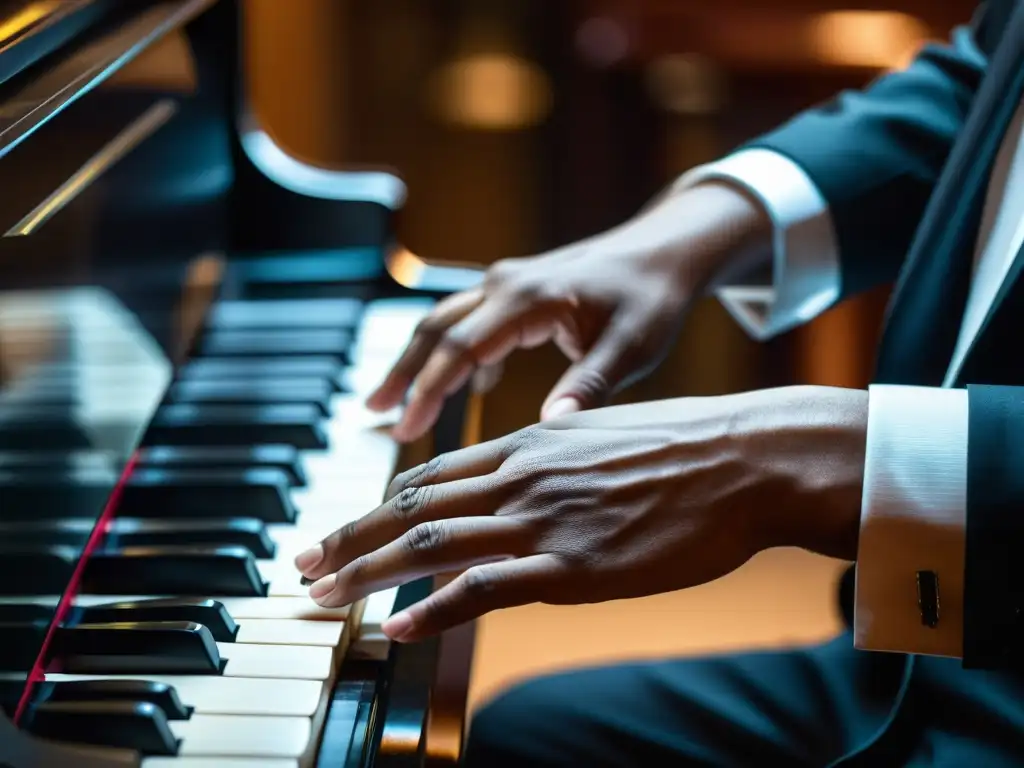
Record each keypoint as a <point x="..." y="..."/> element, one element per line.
<point x="591" y="382"/>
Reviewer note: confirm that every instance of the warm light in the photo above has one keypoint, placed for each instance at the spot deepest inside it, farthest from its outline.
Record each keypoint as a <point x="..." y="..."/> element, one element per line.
<point x="882" y="39"/>
<point x="602" y="41"/>
<point x="410" y="271"/>
<point x="14" y="25"/>
<point x="686" y="84"/>
<point x="491" y="91"/>
<point x="405" y="267"/>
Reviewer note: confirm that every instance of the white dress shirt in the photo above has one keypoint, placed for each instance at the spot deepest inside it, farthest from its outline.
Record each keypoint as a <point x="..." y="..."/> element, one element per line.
<point x="914" y="507"/>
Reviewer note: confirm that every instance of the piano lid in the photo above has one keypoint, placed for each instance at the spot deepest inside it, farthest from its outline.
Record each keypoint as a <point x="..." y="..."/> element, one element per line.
<point x="32" y="29"/>
<point x="111" y="235"/>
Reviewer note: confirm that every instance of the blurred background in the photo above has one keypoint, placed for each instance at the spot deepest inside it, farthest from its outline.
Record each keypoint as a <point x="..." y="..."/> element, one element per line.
<point x="520" y="125"/>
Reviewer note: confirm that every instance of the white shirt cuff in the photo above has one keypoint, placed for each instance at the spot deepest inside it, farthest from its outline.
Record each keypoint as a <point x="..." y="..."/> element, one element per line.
<point x="913" y="518"/>
<point x="805" y="260"/>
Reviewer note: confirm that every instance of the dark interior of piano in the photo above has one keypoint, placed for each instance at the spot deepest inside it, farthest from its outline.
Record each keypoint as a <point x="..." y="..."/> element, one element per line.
<point x="189" y="321"/>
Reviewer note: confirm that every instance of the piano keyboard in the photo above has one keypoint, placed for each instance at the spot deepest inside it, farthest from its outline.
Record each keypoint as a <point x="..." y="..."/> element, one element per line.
<point x="192" y="639"/>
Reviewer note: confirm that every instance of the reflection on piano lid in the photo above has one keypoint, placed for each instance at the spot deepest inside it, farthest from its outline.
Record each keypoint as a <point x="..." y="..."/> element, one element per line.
<point x="189" y="322"/>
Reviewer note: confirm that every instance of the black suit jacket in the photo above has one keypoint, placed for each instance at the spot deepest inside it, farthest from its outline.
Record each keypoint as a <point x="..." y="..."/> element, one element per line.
<point x="904" y="166"/>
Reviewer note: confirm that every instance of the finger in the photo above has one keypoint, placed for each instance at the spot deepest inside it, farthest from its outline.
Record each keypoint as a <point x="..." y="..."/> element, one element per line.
<point x="413" y="506"/>
<point x="426" y="550"/>
<point x="488" y="334"/>
<point x="480" y="590"/>
<point x="486" y="378"/>
<point x="447" y="313"/>
<point x="592" y="381"/>
<point x="471" y="461"/>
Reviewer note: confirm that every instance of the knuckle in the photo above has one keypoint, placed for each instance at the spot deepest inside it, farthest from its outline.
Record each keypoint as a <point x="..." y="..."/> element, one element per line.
<point x="500" y="272"/>
<point x="430" y="327"/>
<point x="348" y="531"/>
<point x="480" y="581"/>
<point x="524" y="439"/>
<point x="421" y="474"/>
<point x="409" y="502"/>
<point x="546" y="490"/>
<point x="527" y="292"/>
<point x="360" y="568"/>
<point x="431" y="470"/>
<point x="592" y="385"/>
<point x="425" y="538"/>
<point x="336" y="541"/>
<point x="456" y="344"/>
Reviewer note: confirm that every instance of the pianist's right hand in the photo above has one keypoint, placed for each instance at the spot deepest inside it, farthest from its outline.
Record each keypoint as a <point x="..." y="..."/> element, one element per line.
<point x="612" y="303"/>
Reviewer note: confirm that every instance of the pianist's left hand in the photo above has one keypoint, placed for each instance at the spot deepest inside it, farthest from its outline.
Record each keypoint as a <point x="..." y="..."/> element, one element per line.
<point x="606" y="504"/>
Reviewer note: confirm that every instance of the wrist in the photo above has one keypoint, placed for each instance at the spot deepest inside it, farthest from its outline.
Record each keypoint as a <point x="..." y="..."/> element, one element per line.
<point x="808" y="444"/>
<point x="726" y="234"/>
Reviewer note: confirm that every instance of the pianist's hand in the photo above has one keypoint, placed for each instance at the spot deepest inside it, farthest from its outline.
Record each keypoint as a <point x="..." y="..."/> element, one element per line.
<point x="611" y="303"/>
<point x="611" y="503"/>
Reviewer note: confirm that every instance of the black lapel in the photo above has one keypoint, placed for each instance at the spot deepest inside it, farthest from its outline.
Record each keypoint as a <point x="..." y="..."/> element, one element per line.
<point x="927" y="304"/>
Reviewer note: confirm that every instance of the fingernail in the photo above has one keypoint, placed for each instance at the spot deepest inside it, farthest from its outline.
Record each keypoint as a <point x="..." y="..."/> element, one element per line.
<point x="400" y="432"/>
<point x="310" y="558"/>
<point x="323" y="587"/>
<point x="398" y="626"/>
<point x="561" y="407"/>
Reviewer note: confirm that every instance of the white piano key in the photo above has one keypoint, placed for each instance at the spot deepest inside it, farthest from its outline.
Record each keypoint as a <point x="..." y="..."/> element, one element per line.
<point x="212" y="695"/>
<point x="285" y="662"/>
<point x="301" y="608"/>
<point x="379" y="607"/>
<point x="352" y="451"/>
<point x="285" y="632"/>
<point x="370" y="642"/>
<point x="243" y="736"/>
<point x="282" y="578"/>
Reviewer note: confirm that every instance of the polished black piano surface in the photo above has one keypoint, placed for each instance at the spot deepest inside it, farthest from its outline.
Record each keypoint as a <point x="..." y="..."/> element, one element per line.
<point x="189" y="320"/>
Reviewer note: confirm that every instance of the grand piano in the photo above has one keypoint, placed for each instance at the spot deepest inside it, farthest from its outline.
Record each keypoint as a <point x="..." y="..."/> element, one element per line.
<point x="189" y="320"/>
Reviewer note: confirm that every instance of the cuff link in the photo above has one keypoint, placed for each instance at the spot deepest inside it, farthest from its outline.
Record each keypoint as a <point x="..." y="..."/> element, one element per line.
<point x="928" y="597"/>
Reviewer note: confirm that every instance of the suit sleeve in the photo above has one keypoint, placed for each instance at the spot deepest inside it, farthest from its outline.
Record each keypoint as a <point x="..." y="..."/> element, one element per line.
<point x="944" y="492"/>
<point x="993" y="635"/>
<point x="875" y="155"/>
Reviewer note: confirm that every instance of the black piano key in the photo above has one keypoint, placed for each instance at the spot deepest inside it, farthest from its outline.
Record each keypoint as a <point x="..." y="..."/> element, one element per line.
<point x="247" y="532"/>
<point x="27" y="612"/>
<point x="219" y="368"/>
<point x="57" y="461"/>
<point x="316" y="392"/>
<point x="63" y="532"/>
<point x="22" y="642"/>
<point x="36" y="570"/>
<point x="285" y="313"/>
<point x="123" y="532"/>
<point x="10" y="696"/>
<point x="158" y="694"/>
<point x="157" y="648"/>
<point x="40" y="428"/>
<point x="32" y="494"/>
<point x="299" y="425"/>
<point x="286" y="343"/>
<point x="218" y="571"/>
<point x="138" y="725"/>
<point x="262" y="493"/>
<point x="283" y="457"/>
<point x="210" y="613"/>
